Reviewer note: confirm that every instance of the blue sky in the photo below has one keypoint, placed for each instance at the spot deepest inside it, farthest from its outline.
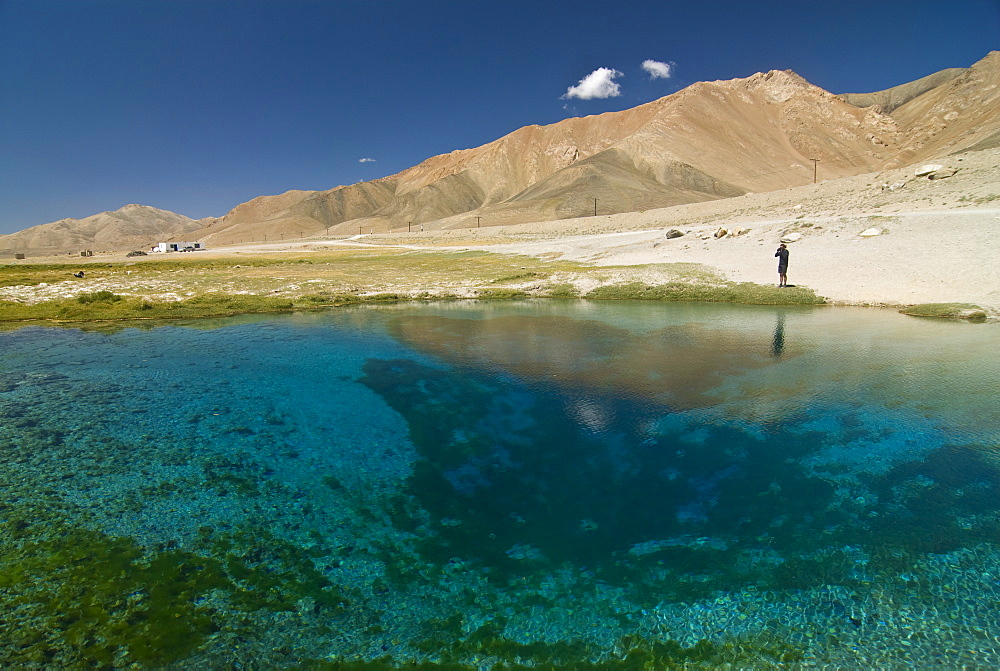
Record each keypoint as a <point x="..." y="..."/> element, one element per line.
<point x="195" y="107"/>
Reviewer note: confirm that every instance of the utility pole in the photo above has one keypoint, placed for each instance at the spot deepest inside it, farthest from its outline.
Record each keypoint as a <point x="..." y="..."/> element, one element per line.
<point x="815" y="163"/>
<point x="408" y="226"/>
<point x="477" y="222"/>
<point x="595" y="207"/>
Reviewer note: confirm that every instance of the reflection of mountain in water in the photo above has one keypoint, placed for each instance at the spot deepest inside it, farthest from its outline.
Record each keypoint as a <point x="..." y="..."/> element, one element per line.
<point x="674" y="365"/>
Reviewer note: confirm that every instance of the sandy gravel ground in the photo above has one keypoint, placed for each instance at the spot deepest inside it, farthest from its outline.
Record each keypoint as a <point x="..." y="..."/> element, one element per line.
<point x="918" y="257"/>
<point x="938" y="238"/>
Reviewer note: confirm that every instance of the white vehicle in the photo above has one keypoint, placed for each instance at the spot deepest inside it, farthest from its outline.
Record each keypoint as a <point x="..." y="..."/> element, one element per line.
<point x="177" y="246"/>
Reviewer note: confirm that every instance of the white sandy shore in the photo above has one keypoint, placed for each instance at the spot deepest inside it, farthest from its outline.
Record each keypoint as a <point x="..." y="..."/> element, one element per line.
<point x="921" y="257"/>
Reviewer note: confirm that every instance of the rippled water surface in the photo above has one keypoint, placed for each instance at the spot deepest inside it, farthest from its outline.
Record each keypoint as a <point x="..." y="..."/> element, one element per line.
<point x="532" y="482"/>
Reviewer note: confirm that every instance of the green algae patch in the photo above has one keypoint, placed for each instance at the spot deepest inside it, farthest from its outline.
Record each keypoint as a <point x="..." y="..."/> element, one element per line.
<point x="276" y="575"/>
<point x="76" y="598"/>
<point x="967" y="311"/>
<point x="729" y="292"/>
<point x="71" y="596"/>
<point x="450" y="649"/>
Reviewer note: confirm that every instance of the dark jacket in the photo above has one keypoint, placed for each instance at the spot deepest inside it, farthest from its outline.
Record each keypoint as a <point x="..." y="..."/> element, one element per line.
<point x="782" y="255"/>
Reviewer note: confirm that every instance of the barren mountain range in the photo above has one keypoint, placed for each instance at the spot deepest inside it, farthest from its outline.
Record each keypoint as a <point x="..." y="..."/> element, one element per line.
<point x="711" y="140"/>
<point x="129" y="227"/>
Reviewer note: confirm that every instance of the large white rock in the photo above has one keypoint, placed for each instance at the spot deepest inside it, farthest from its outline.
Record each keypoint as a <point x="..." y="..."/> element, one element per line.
<point x="791" y="237"/>
<point x="942" y="174"/>
<point x="870" y="232"/>
<point x="924" y="170"/>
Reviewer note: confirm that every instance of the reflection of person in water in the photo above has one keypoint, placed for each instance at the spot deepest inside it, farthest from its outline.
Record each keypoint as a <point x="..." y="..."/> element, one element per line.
<point x="778" y="343"/>
<point x="782" y="255"/>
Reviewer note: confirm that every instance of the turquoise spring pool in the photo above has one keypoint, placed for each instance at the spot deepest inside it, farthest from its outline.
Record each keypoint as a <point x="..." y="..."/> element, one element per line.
<point x="483" y="484"/>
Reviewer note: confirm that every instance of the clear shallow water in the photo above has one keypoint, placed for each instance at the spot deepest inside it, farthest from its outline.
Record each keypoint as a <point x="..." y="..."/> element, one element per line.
<point x="476" y="483"/>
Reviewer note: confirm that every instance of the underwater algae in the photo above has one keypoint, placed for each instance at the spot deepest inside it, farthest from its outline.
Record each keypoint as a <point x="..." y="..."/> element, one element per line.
<point x="85" y="599"/>
<point x="72" y="596"/>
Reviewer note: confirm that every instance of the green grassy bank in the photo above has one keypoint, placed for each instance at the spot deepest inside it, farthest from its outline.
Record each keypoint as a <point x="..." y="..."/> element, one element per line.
<point x="205" y="287"/>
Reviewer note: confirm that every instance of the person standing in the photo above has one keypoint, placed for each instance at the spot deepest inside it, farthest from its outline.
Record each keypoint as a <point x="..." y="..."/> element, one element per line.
<point x="782" y="255"/>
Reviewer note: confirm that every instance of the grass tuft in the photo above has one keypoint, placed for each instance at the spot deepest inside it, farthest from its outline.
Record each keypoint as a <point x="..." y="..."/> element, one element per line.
<point x="98" y="297"/>
<point x="966" y="311"/>
<point x="566" y="290"/>
<point x="731" y="292"/>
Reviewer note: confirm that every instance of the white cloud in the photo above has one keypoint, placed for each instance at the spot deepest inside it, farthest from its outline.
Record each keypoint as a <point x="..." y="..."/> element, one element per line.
<point x="598" y="84"/>
<point x="656" y="69"/>
<point x="366" y="160"/>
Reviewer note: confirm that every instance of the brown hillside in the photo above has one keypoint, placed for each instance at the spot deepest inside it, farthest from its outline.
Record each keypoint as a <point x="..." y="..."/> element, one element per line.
<point x="130" y="227"/>
<point x="891" y="99"/>
<point x="960" y="114"/>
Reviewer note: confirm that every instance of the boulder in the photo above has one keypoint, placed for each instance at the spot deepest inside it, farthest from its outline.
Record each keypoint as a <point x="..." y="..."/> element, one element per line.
<point x="791" y="237"/>
<point x="673" y="233"/>
<point x="925" y="170"/>
<point x="942" y="173"/>
<point x="870" y="232"/>
<point x="895" y="186"/>
<point x="721" y="233"/>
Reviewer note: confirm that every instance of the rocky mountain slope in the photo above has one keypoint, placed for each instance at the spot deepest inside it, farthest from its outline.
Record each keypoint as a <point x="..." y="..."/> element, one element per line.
<point x="130" y="227"/>
<point x="711" y="140"/>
